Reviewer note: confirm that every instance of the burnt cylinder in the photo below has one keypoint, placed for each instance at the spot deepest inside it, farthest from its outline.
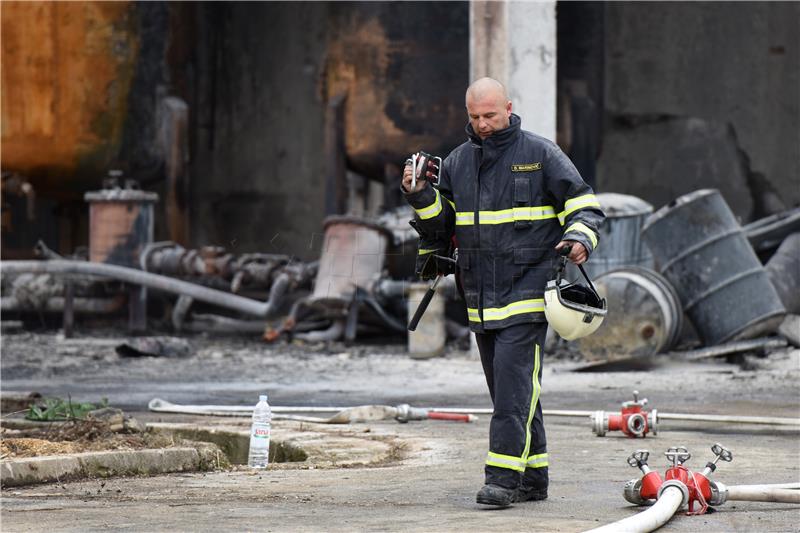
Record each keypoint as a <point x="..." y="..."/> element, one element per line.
<point x="644" y="316"/>
<point x="700" y="248"/>
<point x="352" y="257"/>
<point x="120" y="224"/>
<point x="620" y="244"/>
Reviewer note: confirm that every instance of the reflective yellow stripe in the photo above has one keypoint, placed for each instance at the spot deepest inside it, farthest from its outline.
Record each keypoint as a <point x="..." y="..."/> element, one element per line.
<point x="432" y="210"/>
<point x="586" y="230"/>
<point x="423" y="251"/>
<point x="504" y="216"/>
<point x="505" y="461"/>
<point x="534" y="399"/>
<point x="451" y="202"/>
<point x="535" y="305"/>
<point x="573" y="204"/>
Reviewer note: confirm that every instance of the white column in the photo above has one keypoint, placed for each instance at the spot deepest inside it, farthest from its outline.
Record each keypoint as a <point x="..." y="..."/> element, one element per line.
<point x="515" y="43"/>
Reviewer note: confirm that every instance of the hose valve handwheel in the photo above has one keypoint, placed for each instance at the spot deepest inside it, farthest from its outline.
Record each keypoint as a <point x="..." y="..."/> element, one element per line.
<point x="678" y="455"/>
<point x="722" y="453"/>
<point x="638" y="459"/>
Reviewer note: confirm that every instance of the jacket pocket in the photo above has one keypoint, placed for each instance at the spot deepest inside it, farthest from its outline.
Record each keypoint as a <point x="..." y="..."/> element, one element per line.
<point x="528" y="256"/>
<point x="522" y="198"/>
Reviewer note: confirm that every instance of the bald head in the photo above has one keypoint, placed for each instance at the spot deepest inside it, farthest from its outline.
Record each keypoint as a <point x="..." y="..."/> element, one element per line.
<point x="486" y="88"/>
<point x="488" y="107"/>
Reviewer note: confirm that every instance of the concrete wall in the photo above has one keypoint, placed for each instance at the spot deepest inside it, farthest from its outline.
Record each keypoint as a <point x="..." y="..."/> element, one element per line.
<point x="515" y="43"/>
<point x="720" y="67"/>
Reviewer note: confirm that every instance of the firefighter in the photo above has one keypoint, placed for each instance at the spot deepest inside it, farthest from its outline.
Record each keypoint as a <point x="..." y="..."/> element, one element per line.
<point x="511" y="199"/>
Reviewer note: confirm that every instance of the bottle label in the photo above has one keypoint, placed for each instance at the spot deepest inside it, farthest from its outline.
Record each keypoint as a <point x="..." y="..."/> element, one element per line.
<point x="261" y="431"/>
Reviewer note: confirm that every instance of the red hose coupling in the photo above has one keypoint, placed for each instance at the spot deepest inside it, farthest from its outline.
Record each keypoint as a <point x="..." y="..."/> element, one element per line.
<point x="643" y="491"/>
<point x="698" y="490"/>
<point x="633" y="421"/>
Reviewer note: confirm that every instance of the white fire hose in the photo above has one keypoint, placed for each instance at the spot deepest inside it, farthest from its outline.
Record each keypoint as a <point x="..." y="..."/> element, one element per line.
<point x="674" y="495"/>
<point x="778" y="493"/>
<point x="246" y="410"/>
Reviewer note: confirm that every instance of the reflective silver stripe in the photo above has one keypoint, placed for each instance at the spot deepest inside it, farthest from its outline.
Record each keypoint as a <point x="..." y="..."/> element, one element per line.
<point x="586" y="230"/>
<point x="505" y="461"/>
<point x="432" y="210"/>
<point x="504" y="216"/>
<point x="535" y="305"/>
<point x="580" y="202"/>
<point x="537" y="461"/>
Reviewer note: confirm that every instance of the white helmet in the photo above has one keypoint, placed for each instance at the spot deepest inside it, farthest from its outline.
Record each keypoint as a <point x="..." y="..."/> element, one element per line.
<point x="573" y="310"/>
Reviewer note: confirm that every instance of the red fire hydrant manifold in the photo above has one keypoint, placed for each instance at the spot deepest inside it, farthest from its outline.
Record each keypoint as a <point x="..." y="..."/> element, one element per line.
<point x="633" y="421"/>
<point x="698" y="490"/>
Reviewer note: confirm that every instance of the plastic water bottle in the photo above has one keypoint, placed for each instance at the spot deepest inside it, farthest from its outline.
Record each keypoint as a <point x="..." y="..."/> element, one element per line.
<point x="259" y="434"/>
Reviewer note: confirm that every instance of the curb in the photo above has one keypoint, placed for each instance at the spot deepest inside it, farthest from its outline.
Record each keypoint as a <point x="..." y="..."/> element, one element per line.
<point x="213" y="448"/>
<point x="28" y="471"/>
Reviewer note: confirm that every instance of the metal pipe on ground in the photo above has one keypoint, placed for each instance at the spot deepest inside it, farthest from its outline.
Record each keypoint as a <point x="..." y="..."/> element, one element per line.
<point x="332" y="333"/>
<point x="145" y="279"/>
<point x="79" y="305"/>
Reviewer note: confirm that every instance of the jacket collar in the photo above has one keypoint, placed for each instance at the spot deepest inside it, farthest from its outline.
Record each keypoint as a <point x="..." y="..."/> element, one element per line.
<point x="499" y="139"/>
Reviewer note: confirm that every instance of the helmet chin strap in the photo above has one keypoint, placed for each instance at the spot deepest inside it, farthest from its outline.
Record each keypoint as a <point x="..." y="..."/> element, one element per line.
<point x="565" y="251"/>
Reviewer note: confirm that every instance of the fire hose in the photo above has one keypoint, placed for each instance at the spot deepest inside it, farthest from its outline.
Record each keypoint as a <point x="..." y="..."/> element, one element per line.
<point x="682" y="487"/>
<point x="362" y="413"/>
<point x="653" y="518"/>
<point x="236" y="410"/>
<point x="778" y="493"/>
<point x="672" y="499"/>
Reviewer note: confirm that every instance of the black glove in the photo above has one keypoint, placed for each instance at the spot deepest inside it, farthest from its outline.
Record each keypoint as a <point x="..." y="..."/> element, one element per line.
<point x="433" y="261"/>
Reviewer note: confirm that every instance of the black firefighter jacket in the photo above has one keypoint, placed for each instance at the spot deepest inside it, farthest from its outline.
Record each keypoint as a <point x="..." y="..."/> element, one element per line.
<point x="508" y="199"/>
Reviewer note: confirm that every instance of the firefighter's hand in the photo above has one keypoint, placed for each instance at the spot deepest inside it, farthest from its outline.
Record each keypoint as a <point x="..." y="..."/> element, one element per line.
<point x="421" y="182"/>
<point x="578" y="254"/>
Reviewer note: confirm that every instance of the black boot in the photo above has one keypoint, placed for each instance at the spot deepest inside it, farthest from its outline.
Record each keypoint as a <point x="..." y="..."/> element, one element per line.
<point x="528" y="493"/>
<point x="496" y="495"/>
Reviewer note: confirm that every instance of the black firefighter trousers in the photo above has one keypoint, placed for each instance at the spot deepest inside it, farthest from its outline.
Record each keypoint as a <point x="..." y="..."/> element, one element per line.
<point x="512" y="364"/>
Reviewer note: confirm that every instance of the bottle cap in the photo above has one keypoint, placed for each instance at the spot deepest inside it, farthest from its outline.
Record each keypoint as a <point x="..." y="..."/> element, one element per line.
<point x="262" y="398"/>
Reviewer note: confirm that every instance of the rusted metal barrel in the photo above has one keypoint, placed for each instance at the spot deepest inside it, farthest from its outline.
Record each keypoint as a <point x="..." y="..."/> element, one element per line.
<point x="120" y="224"/>
<point x="353" y="255"/>
<point x="620" y="235"/>
<point x="644" y="316"/>
<point x="700" y="248"/>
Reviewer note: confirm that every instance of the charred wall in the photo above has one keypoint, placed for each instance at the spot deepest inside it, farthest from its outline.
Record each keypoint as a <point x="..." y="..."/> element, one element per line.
<point x="265" y="73"/>
<point x="257" y="173"/>
<point x="703" y="94"/>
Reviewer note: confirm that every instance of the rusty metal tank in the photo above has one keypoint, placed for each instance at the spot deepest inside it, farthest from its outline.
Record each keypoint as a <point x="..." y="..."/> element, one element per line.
<point x="120" y="224"/>
<point x="67" y="72"/>
<point x="700" y="248"/>
<point x="353" y="256"/>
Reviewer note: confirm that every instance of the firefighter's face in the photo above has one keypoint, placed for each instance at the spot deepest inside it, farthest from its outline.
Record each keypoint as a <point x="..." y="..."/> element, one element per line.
<point x="488" y="112"/>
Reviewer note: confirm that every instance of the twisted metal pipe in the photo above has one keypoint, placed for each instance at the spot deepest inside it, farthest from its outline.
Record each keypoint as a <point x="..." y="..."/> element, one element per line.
<point x="153" y="281"/>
